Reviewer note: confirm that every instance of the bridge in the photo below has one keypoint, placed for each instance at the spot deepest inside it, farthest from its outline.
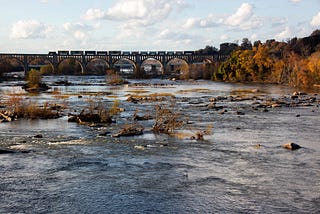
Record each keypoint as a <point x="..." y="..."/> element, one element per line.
<point x="111" y="59"/>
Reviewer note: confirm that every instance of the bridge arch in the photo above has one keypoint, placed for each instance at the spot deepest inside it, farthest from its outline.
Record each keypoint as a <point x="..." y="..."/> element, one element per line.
<point x="201" y="59"/>
<point x="41" y="63"/>
<point x="70" y="66"/>
<point x="176" y="67"/>
<point x="152" y="67"/>
<point x="125" y="67"/>
<point x="97" y="66"/>
<point x="11" y="64"/>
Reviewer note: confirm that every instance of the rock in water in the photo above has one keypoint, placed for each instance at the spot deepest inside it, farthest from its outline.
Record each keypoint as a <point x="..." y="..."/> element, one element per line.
<point x="291" y="146"/>
<point x="130" y="130"/>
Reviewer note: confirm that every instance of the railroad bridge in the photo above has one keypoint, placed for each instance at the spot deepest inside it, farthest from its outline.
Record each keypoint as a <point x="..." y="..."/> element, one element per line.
<point x="112" y="58"/>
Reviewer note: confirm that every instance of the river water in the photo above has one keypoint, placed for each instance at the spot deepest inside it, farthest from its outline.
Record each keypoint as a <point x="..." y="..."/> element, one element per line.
<point x="238" y="168"/>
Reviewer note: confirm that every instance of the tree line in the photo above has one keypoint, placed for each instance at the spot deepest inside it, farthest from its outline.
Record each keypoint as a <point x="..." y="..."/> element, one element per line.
<point x="295" y="62"/>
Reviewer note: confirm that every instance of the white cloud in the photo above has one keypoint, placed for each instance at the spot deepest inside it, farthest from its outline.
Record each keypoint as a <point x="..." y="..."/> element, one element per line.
<point x="93" y="14"/>
<point x="29" y="29"/>
<point x="316" y="20"/>
<point x="137" y="12"/>
<point x="78" y="26"/>
<point x="208" y="22"/>
<point x="295" y="1"/>
<point x="243" y="19"/>
<point x="285" y="34"/>
<point x="80" y="32"/>
<point x="224" y="37"/>
<point x="243" y="14"/>
<point x="168" y="34"/>
<point x="254" y="37"/>
<point x="191" y="22"/>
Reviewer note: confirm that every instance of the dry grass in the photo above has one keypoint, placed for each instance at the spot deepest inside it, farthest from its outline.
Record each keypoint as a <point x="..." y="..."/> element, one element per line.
<point x="167" y="119"/>
<point x="115" y="109"/>
<point x="138" y="91"/>
<point x="114" y="78"/>
<point x="195" y="90"/>
<point x="244" y="91"/>
<point x="96" y="112"/>
<point x="30" y="109"/>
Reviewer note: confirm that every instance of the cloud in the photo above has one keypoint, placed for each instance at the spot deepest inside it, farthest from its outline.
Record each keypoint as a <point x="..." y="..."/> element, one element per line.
<point x="94" y="14"/>
<point x="70" y="27"/>
<point x="285" y="34"/>
<point x="295" y="1"/>
<point x="208" y="22"/>
<point x="243" y="14"/>
<point x="243" y="19"/>
<point x="316" y="20"/>
<point x="29" y="29"/>
<point x="80" y="32"/>
<point x="137" y="12"/>
<point x="176" y="39"/>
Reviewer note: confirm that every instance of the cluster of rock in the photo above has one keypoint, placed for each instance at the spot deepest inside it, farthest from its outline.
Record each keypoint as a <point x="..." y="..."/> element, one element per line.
<point x="130" y="130"/>
<point x="91" y="117"/>
<point x="149" y="98"/>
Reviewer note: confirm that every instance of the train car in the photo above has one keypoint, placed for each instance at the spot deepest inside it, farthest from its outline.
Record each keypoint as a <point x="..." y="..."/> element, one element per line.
<point x="152" y="53"/>
<point x="126" y="53"/>
<point x="90" y="52"/>
<point x="179" y="52"/>
<point x="144" y="53"/>
<point x="76" y="52"/>
<point x="115" y="53"/>
<point x="161" y="53"/>
<point x="102" y="53"/>
<point x="52" y="53"/>
<point x="189" y="52"/>
<point x="135" y="52"/>
<point x="63" y="52"/>
<point x="170" y="53"/>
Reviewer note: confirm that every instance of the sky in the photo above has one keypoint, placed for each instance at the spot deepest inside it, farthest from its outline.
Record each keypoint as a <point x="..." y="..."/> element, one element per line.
<point x="40" y="26"/>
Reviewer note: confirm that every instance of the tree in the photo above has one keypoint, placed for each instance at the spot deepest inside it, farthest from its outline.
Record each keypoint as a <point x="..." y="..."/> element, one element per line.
<point x="246" y="44"/>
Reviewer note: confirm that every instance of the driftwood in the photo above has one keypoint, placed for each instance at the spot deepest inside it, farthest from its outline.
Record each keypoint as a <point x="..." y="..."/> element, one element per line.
<point x="7" y="116"/>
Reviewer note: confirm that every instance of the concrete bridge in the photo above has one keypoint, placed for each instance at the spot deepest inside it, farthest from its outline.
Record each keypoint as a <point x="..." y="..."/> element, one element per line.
<point x="112" y="58"/>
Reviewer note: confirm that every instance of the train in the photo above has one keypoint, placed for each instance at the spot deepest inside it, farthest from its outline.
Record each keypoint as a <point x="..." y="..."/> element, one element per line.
<point x="117" y="53"/>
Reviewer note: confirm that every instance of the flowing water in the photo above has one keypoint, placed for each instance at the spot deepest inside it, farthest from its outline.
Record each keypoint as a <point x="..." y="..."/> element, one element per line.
<point x="238" y="168"/>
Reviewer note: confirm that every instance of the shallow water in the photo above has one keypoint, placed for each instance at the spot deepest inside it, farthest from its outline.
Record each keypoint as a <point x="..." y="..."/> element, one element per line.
<point x="73" y="169"/>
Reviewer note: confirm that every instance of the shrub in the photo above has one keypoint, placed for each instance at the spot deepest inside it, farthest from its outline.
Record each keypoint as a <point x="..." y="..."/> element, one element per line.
<point x="114" y="78"/>
<point x="30" y="110"/>
<point x="34" y="79"/>
<point x="167" y="120"/>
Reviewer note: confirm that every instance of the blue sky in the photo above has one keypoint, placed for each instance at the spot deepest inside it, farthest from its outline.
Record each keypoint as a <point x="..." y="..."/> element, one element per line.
<point x="39" y="26"/>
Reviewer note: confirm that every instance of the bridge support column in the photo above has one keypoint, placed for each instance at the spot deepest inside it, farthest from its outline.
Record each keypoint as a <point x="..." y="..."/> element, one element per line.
<point x="25" y="65"/>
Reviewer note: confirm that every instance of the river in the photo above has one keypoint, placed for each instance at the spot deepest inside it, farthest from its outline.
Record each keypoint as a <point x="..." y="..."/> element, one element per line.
<point x="240" y="167"/>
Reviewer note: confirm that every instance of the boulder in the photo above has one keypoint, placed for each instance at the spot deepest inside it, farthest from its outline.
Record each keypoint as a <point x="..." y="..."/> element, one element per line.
<point x="10" y="151"/>
<point x="291" y="146"/>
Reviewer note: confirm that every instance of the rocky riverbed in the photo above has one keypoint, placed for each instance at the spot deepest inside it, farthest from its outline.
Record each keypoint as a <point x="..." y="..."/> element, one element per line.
<point x="224" y="153"/>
